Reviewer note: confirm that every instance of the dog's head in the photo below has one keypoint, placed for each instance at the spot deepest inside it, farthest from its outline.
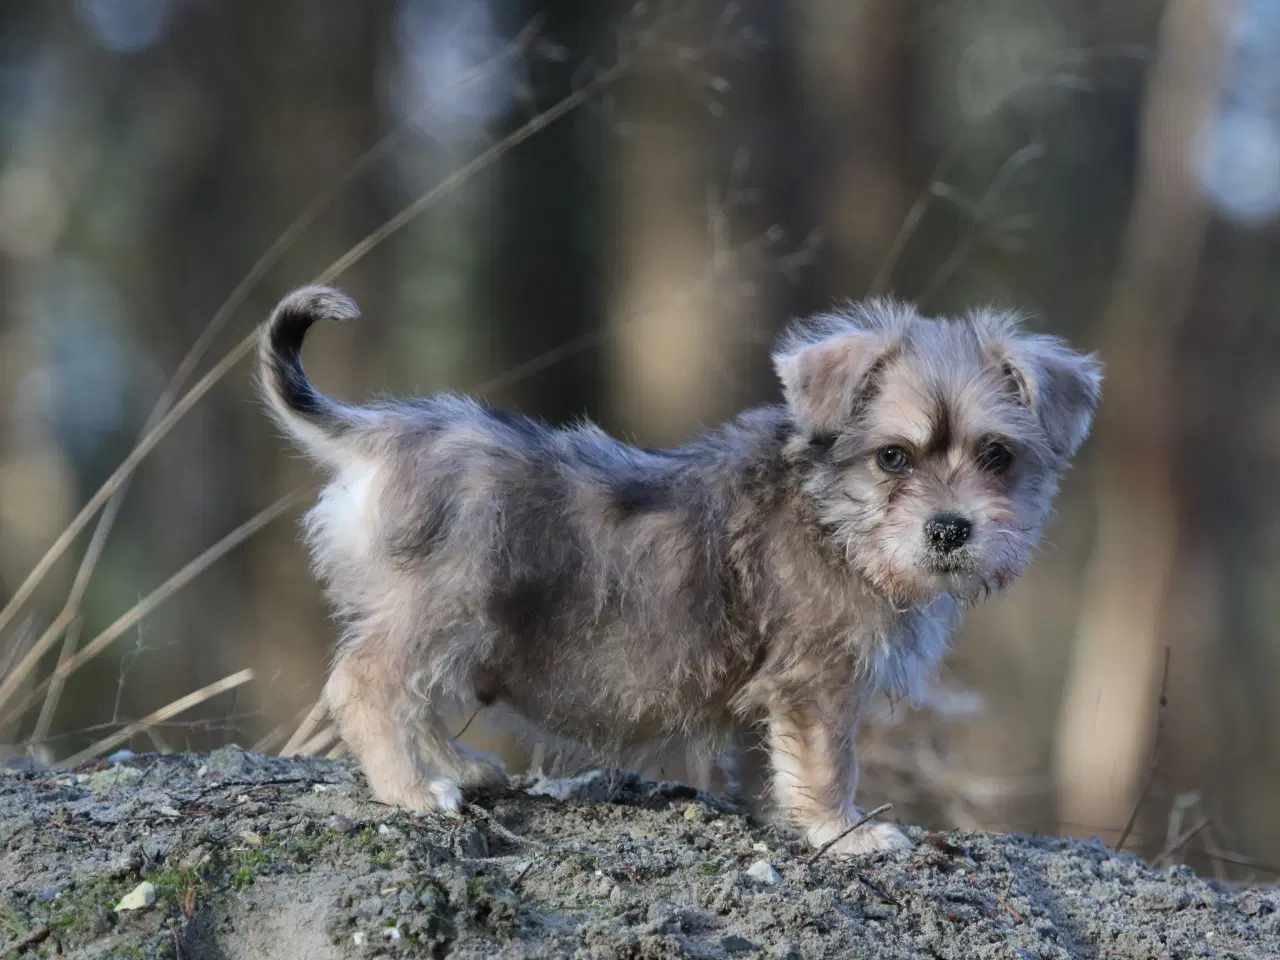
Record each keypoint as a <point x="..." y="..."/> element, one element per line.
<point x="933" y="448"/>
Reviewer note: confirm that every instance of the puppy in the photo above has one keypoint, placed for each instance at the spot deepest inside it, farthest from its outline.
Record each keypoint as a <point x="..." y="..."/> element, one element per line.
<point x="759" y="585"/>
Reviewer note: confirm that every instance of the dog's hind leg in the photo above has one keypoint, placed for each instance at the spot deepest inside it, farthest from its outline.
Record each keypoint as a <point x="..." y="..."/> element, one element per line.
<point x="398" y="736"/>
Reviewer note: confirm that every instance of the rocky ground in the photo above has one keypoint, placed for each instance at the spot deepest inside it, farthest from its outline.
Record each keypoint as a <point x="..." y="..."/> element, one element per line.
<point x="233" y="855"/>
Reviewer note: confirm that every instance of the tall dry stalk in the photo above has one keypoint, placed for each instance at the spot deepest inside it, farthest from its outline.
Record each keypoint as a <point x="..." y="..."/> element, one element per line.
<point x="172" y="408"/>
<point x="1109" y="708"/>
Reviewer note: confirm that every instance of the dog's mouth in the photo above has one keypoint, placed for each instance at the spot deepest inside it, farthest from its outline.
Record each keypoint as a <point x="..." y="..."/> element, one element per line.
<point x="966" y="578"/>
<point x="961" y="564"/>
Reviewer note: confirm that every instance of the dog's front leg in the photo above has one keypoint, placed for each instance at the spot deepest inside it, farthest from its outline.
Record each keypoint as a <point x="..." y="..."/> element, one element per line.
<point x="814" y="760"/>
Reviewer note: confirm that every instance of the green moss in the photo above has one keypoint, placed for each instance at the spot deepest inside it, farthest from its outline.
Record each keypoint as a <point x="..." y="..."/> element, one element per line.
<point x="380" y="854"/>
<point x="172" y="885"/>
<point x="307" y="846"/>
<point x="11" y="923"/>
<point x="82" y="910"/>
<point x="491" y="905"/>
<point x="253" y="860"/>
<point x="709" y="868"/>
<point x="132" y="951"/>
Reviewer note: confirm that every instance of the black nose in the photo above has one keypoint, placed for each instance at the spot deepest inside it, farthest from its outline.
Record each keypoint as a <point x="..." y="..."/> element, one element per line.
<point x="946" y="532"/>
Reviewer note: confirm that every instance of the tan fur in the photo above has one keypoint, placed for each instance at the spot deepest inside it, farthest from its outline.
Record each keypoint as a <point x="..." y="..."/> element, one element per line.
<point x="747" y="595"/>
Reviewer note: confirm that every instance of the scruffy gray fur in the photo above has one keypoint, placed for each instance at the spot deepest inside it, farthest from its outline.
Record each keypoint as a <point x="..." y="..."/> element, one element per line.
<point x="757" y="587"/>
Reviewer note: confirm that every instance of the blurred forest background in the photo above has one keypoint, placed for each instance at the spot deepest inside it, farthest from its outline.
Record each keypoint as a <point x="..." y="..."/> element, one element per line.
<point x="581" y="207"/>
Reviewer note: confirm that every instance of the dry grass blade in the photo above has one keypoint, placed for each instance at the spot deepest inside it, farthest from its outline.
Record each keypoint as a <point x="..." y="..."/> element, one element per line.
<point x="1177" y="847"/>
<point x="271" y="740"/>
<point x="142" y="609"/>
<point x="113" y="483"/>
<point x="1155" y="756"/>
<point x="207" y="336"/>
<point x="911" y="222"/>
<point x="54" y="693"/>
<point x="305" y="729"/>
<point x="1052" y="72"/>
<point x="178" y="706"/>
<point x="316" y="745"/>
<point x="166" y="423"/>
<point x="319" y="205"/>
<point x="483" y="160"/>
<point x="16" y="648"/>
<point x="980" y="228"/>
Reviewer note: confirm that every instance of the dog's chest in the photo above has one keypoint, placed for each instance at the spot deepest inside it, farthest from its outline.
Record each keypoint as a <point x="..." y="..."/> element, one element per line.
<point x="835" y="618"/>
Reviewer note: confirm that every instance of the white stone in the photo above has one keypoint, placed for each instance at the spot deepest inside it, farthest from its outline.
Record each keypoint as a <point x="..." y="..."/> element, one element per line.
<point x="140" y="897"/>
<point x="762" y="872"/>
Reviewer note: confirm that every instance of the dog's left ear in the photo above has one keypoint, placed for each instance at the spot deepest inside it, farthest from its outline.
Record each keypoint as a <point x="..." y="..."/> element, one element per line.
<point x="825" y="380"/>
<point x="1060" y="384"/>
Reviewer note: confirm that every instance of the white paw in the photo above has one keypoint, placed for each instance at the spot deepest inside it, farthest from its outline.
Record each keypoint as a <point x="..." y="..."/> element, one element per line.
<point x="869" y="838"/>
<point x="436" y="794"/>
<point x="446" y="793"/>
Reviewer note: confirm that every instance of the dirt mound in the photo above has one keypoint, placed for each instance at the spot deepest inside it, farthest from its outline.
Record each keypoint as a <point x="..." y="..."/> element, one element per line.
<point x="233" y="855"/>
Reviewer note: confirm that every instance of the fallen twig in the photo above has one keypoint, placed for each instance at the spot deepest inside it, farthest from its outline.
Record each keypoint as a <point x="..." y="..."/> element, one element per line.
<point x="1174" y="849"/>
<point x="36" y="937"/>
<point x="502" y="831"/>
<point x="844" y="833"/>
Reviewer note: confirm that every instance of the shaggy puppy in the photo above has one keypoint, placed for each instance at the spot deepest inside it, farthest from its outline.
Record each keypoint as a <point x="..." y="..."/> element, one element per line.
<point x="760" y="584"/>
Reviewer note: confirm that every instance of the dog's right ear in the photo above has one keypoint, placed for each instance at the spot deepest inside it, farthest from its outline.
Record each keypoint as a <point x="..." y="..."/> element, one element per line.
<point x="828" y="373"/>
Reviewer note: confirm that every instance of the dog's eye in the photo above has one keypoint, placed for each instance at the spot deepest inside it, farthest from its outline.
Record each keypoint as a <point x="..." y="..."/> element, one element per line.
<point x="995" y="458"/>
<point x="893" y="459"/>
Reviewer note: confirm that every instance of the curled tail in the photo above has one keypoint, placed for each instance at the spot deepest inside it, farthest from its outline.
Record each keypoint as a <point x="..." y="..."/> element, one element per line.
<point x="311" y="418"/>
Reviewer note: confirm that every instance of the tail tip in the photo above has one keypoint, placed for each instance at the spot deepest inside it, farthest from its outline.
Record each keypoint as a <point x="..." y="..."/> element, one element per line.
<point x="319" y="302"/>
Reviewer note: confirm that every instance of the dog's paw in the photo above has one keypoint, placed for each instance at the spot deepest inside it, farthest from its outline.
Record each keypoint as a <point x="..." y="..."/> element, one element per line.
<point x="433" y="795"/>
<point x="446" y="793"/>
<point x="869" y="838"/>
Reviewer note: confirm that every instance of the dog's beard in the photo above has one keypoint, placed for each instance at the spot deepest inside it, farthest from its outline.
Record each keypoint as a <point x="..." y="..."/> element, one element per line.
<point x="909" y="574"/>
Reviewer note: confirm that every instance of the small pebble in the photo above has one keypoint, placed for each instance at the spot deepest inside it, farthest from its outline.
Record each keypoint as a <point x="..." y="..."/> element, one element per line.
<point x="52" y="893"/>
<point x="339" y="824"/>
<point x="126" y="864"/>
<point x="1249" y="905"/>
<point x="762" y="872"/>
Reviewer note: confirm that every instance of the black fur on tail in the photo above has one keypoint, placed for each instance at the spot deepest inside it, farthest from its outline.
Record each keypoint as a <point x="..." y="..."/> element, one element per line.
<point x="287" y="389"/>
